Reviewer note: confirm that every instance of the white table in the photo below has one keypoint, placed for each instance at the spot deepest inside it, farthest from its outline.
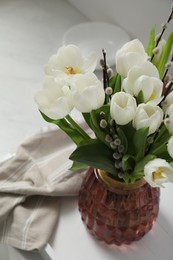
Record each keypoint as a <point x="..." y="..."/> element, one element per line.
<point x="30" y="32"/>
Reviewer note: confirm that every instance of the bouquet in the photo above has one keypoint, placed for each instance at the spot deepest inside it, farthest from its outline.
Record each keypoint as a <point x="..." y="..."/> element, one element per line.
<point x="130" y="111"/>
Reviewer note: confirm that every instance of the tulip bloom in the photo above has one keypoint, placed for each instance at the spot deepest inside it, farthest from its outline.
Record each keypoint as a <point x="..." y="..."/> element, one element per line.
<point x="69" y="61"/>
<point x="87" y="93"/>
<point x="148" y="115"/>
<point x="131" y="54"/>
<point x="122" y="108"/>
<point x="146" y="78"/>
<point x="157" y="172"/>
<point x="54" y="100"/>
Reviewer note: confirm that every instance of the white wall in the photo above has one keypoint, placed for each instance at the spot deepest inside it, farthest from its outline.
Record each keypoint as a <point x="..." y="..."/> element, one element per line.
<point x="135" y="16"/>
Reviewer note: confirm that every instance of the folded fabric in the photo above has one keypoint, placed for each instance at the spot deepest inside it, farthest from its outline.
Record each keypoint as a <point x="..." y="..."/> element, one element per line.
<point x="31" y="182"/>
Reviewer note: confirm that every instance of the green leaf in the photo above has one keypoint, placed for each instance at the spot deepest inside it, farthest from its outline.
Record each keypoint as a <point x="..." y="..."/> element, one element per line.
<point x="78" y="166"/>
<point x="151" y="42"/>
<point x="140" y="141"/>
<point x="159" y="146"/>
<point x="162" y="152"/>
<point x="76" y="137"/>
<point x="129" y="132"/>
<point x="140" y="97"/>
<point x="77" y="127"/>
<point x="95" y="154"/>
<point x="126" y="177"/>
<point x="163" y="135"/>
<point x="117" y="86"/>
<point x="112" y="81"/>
<point x="136" y="176"/>
<point x="123" y="138"/>
<point x="165" y="54"/>
<point x="87" y="118"/>
<point x="140" y="165"/>
<point x="115" y="83"/>
<point x="128" y="162"/>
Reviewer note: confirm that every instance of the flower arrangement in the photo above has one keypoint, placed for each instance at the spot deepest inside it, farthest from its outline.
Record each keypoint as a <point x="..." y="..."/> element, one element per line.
<point x="130" y="111"/>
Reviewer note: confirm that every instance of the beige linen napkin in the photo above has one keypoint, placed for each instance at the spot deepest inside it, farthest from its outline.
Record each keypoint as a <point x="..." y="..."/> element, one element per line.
<point x="30" y="183"/>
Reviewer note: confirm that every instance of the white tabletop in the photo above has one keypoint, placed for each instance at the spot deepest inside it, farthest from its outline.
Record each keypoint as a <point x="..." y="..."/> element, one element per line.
<point x="30" y="32"/>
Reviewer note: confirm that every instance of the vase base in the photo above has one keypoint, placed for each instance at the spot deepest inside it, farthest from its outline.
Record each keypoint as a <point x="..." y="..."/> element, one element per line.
<point x="117" y="218"/>
<point x="111" y="235"/>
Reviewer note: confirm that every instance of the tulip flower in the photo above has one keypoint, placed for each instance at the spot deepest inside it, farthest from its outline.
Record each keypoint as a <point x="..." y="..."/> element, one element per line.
<point x="131" y="54"/>
<point x="148" y="115"/>
<point x="122" y="108"/>
<point x="54" y="100"/>
<point x="144" y="78"/>
<point x="157" y="172"/>
<point x="87" y="92"/>
<point x="69" y="61"/>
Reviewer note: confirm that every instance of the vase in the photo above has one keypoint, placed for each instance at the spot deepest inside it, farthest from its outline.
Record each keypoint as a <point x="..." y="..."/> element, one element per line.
<point x="115" y="212"/>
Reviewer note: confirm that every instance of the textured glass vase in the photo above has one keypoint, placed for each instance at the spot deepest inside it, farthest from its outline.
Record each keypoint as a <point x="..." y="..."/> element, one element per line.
<point x="115" y="212"/>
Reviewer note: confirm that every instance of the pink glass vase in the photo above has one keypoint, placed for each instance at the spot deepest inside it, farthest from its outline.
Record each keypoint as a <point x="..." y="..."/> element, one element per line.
<point x="117" y="213"/>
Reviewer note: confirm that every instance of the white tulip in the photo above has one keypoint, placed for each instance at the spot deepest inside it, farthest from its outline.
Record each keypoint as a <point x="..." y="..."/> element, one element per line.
<point x="169" y="119"/>
<point x="131" y="54"/>
<point x="157" y="172"/>
<point x="87" y="92"/>
<point x="151" y="88"/>
<point x="70" y="61"/>
<point x="148" y="115"/>
<point x="168" y="101"/>
<point x="54" y="100"/>
<point x="170" y="146"/>
<point x="146" y="78"/>
<point x="122" y="108"/>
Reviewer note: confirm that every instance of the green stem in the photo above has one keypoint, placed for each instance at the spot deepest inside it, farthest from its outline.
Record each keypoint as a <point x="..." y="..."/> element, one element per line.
<point x="77" y="127"/>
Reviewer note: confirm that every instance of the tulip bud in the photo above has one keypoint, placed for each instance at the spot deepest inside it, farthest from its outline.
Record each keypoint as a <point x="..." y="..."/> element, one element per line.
<point x="144" y="78"/>
<point x="122" y="108"/>
<point x="131" y="54"/>
<point x="87" y="92"/>
<point x="148" y="116"/>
